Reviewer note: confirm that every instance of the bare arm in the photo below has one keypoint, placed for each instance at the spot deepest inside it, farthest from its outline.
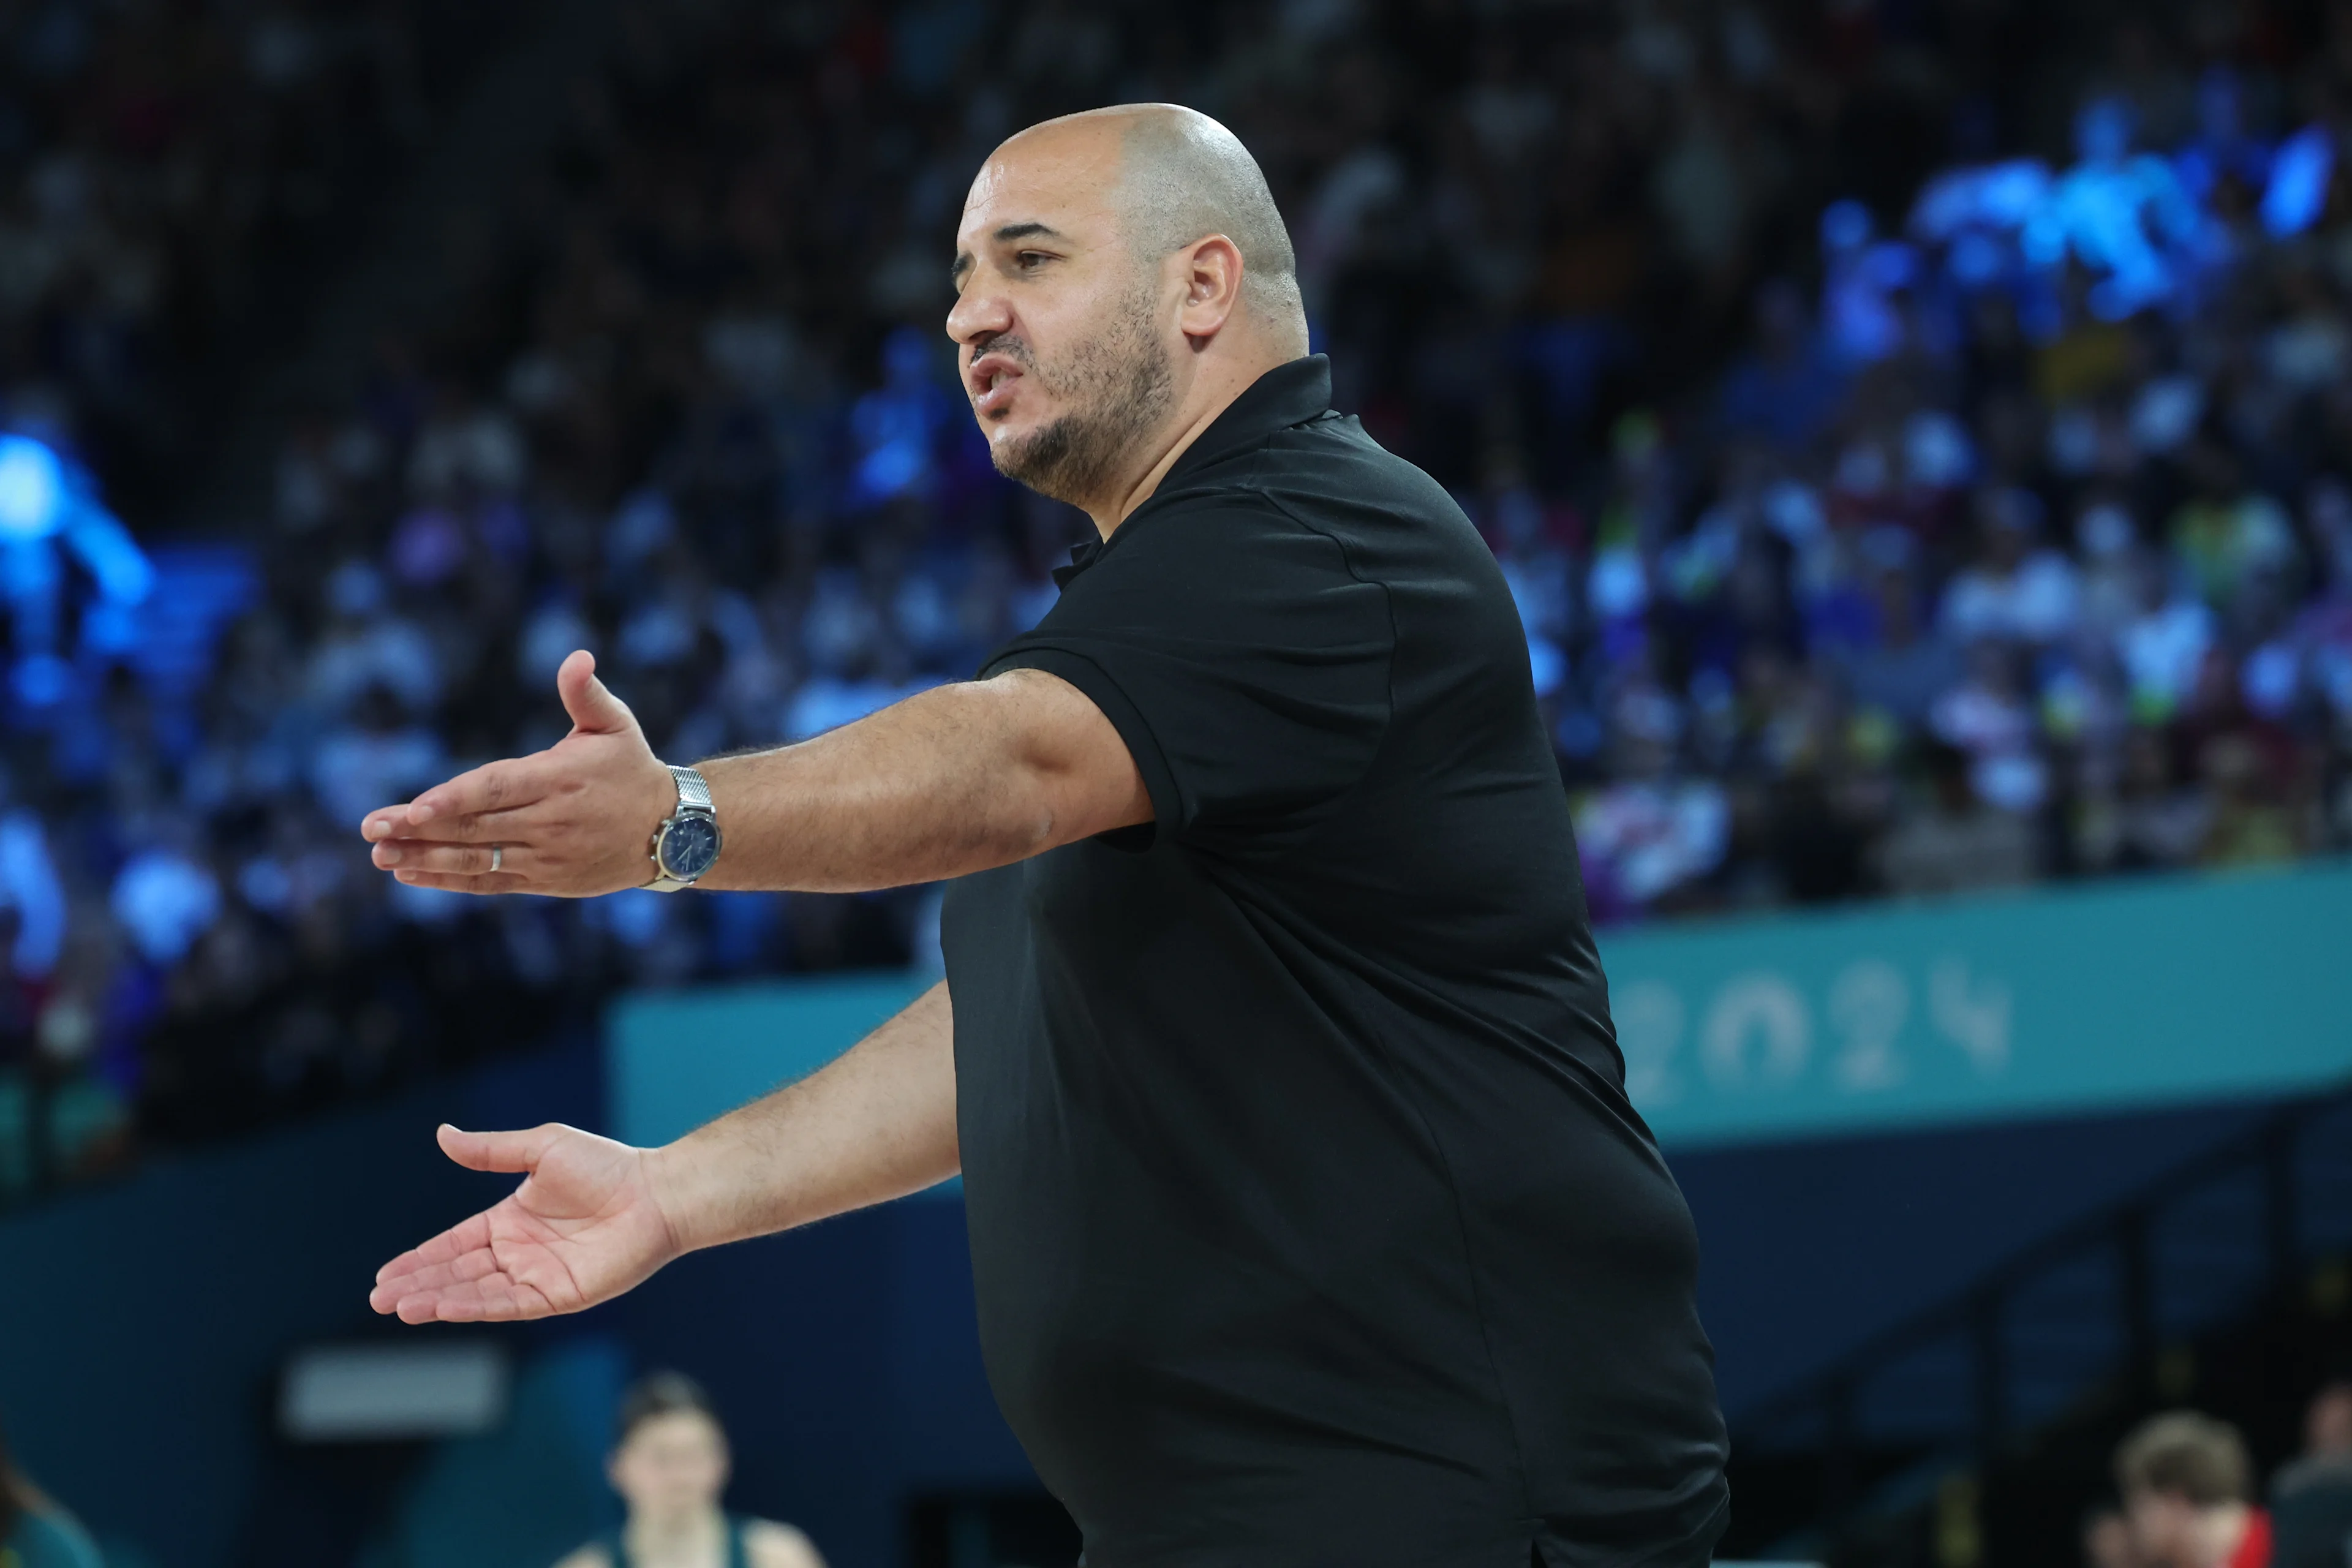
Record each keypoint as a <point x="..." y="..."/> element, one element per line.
<point x="957" y="779"/>
<point x="593" y="1217"/>
<point x="953" y="780"/>
<point x="877" y="1123"/>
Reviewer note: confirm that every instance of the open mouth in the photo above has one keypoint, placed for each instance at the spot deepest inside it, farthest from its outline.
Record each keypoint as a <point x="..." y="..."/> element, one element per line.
<point x="992" y="381"/>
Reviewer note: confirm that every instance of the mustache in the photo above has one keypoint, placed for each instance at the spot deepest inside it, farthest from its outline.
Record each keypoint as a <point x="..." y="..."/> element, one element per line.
<point x="1006" y="343"/>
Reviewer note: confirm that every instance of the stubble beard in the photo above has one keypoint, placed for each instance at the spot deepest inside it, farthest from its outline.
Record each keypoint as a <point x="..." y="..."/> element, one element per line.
<point x="1120" y="386"/>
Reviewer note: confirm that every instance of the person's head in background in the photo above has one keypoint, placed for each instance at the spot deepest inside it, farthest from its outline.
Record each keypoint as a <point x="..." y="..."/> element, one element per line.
<point x="669" y="1460"/>
<point x="2187" y="1489"/>
<point x="2327" y="1423"/>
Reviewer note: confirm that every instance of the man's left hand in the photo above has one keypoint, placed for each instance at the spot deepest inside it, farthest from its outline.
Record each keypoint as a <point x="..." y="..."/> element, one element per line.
<point x="575" y="821"/>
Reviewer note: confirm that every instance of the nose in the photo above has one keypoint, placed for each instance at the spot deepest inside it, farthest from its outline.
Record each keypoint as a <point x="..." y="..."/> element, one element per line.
<point x="978" y="314"/>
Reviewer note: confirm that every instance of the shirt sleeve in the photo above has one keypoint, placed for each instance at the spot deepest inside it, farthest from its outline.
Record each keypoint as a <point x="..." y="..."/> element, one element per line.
<point x="1240" y="657"/>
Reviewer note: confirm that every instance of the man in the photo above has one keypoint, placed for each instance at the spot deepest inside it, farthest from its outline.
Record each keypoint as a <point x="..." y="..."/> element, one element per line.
<point x="1310" y="1221"/>
<point x="2188" y="1490"/>
<point x="669" y="1463"/>
<point x="2311" y="1496"/>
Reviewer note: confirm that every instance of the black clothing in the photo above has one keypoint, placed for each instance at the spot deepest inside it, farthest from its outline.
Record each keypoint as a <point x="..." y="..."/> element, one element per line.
<point x="2311" y="1514"/>
<point x="1311" y="1225"/>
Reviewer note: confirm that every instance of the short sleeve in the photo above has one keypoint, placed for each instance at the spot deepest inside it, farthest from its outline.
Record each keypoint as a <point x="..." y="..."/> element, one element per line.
<point x="1242" y="660"/>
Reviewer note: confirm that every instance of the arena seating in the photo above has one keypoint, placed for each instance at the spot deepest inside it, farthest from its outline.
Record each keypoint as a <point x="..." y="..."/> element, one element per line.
<point x="1878" y="527"/>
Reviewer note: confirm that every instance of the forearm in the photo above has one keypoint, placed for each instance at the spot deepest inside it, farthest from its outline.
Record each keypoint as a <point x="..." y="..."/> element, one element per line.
<point x="955" y="780"/>
<point x="876" y="1124"/>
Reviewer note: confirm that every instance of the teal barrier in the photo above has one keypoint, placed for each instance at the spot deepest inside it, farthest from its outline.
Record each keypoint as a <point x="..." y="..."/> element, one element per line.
<point x="2121" y="994"/>
<point x="673" y="1059"/>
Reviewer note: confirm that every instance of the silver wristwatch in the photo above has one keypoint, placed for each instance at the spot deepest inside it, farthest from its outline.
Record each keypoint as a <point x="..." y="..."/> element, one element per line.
<point x="686" y="844"/>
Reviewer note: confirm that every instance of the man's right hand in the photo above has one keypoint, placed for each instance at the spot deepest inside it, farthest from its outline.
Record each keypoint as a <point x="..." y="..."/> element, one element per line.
<point x="584" y="1226"/>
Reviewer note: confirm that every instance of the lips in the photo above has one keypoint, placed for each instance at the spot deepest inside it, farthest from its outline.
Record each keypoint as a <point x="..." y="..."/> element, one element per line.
<point x="992" y="379"/>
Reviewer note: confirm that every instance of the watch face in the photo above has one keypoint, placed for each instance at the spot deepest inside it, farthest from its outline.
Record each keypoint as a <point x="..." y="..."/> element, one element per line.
<point x="689" y="846"/>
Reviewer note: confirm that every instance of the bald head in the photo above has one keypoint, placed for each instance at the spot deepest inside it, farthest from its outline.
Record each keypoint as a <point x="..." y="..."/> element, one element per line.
<point x="1183" y="177"/>
<point x="1121" y="276"/>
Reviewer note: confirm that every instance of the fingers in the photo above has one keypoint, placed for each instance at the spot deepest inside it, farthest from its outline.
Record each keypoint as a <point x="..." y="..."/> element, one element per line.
<point x="467" y="807"/>
<point x="451" y="859"/>
<point x="493" y="1298"/>
<point x="425" y="1279"/>
<point x="412" y="1282"/>
<point x="390" y="825"/>
<point x="497" y="1299"/>
<point x="458" y="882"/>
<point x="490" y="1151"/>
<point x="594" y="709"/>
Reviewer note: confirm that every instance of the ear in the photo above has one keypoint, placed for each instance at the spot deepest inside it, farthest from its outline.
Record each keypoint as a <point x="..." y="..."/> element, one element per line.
<point x="1211" y="272"/>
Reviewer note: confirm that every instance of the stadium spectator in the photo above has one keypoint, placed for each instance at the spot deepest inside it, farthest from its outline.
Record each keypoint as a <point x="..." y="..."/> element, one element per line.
<point x="669" y="1463"/>
<point x="2187" y="1494"/>
<point x="2311" y="1496"/>
<point x="1995" y="478"/>
<point x="1954" y="839"/>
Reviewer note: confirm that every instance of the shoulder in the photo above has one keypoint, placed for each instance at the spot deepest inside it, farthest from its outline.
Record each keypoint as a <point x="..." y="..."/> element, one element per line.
<point x="1326" y="465"/>
<point x="592" y="1555"/>
<point x="1338" y="452"/>
<point x="771" y="1545"/>
<point x="1232" y="551"/>
<point x="1207" y="522"/>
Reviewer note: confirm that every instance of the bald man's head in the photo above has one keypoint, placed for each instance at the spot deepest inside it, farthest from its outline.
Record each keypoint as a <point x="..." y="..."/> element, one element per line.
<point x="1183" y="177"/>
<point x="1121" y="275"/>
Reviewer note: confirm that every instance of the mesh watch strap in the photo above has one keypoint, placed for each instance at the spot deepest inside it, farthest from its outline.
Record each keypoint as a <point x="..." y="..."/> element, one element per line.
<point x="693" y="795"/>
<point x="693" y="789"/>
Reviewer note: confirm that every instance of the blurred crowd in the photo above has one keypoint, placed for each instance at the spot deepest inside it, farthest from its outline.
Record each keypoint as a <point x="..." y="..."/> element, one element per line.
<point x="171" y="176"/>
<point x="1912" y="433"/>
<point x="174" y="179"/>
<point x="2189" y="1497"/>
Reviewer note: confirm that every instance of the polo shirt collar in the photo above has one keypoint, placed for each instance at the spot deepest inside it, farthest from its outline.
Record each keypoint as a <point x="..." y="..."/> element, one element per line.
<point x="1288" y="394"/>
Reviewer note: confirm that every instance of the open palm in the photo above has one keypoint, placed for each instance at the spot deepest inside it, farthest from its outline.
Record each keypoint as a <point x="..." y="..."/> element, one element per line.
<point x="583" y="1226"/>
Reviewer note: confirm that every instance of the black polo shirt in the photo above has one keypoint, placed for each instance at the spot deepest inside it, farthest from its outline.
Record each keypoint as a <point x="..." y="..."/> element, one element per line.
<point x="1311" y="1225"/>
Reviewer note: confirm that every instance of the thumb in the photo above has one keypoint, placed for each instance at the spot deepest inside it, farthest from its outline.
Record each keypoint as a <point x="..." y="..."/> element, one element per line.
<point x="594" y="709"/>
<point x="498" y="1150"/>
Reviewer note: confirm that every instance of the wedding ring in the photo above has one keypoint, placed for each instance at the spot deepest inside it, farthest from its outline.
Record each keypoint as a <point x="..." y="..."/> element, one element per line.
<point x="498" y="856"/>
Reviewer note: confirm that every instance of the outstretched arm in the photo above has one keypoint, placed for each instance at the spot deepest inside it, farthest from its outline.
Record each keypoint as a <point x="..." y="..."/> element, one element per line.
<point x="952" y="780"/>
<point x="876" y="1124"/>
<point x="593" y="1217"/>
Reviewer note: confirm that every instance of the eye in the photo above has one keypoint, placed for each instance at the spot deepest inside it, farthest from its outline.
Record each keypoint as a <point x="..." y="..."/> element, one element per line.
<point x="1030" y="260"/>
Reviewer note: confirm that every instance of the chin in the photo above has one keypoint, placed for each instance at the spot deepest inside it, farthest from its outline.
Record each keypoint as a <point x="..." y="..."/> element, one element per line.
<point x="1012" y="449"/>
<point x="1017" y="427"/>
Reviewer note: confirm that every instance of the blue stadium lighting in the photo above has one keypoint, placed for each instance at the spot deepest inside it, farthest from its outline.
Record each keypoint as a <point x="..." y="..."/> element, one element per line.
<point x="34" y="496"/>
<point x="2140" y="224"/>
<point x="49" y="509"/>
<point x="46" y="494"/>
<point x="2298" y="185"/>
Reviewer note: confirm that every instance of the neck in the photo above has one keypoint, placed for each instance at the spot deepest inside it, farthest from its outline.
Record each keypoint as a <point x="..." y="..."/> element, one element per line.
<point x="652" y="1535"/>
<point x="1215" y="387"/>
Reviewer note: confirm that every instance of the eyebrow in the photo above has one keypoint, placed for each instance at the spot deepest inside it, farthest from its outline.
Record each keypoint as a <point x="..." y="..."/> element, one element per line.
<point x="1005" y="235"/>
